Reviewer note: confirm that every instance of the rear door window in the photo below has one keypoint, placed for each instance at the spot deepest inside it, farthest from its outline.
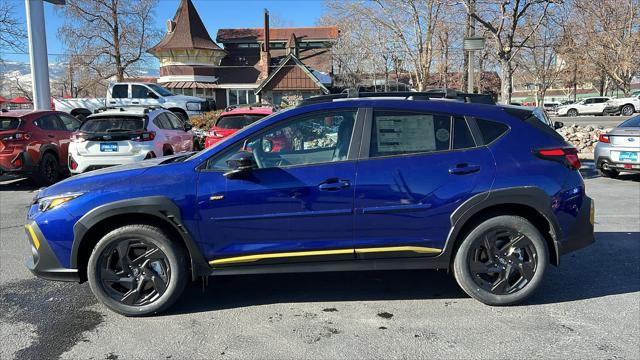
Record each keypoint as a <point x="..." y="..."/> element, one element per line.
<point x="112" y="124"/>
<point x="9" y="123"/>
<point x="400" y="133"/>
<point x="49" y="122"/>
<point x="175" y="123"/>
<point x="120" y="91"/>
<point x="163" y="122"/>
<point x="462" y="138"/>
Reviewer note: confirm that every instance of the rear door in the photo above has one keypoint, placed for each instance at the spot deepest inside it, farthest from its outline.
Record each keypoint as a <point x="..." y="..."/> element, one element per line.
<point x="169" y="134"/>
<point x="415" y="169"/>
<point x="69" y="125"/>
<point x="120" y="95"/>
<point x="55" y="134"/>
<point x="185" y="137"/>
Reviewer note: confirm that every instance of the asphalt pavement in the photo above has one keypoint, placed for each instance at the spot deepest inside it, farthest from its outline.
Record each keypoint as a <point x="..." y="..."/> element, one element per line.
<point x="589" y="307"/>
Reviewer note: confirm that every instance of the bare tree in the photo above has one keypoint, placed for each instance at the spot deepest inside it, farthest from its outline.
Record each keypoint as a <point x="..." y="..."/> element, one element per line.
<point x="110" y="37"/>
<point x="12" y="34"/>
<point x="503" y="19"/>
<point x="608" y="33"/>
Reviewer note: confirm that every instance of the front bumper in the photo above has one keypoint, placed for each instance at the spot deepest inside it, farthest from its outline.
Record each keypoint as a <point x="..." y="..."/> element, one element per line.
<point x="43" y="262"/>
<point x="581" y="234"/>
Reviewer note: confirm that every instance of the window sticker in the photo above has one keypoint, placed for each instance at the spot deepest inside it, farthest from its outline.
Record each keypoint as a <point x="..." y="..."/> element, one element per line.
<point x="406" y="134"/>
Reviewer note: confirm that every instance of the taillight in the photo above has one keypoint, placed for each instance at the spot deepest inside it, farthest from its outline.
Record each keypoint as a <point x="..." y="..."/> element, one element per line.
<point x="213" y="133"/>
<point x="78" y="138"/>
<point x="146" y="136"/>
<point x="72" y="164"/>
<point x="19" y="136"/>
<point x="568" y="156"/>
<point x="604" y="138"/>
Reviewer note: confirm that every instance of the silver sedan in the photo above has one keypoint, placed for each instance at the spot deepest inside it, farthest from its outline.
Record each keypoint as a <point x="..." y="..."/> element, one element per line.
<point x="619" y="150"/>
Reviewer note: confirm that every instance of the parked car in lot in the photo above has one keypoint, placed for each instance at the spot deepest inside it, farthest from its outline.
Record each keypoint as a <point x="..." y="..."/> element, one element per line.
<point x="551" y="107"/>
<point x="443" y="182"/>
<point x="35" y="143"/>
<point x="135" y="94"/>
<point x="619" y="150"/>
<point x="623" y="106"/>
<point x="123" y="136"/>
<point x="234" y="119"/>
<point x="587" y="106"/>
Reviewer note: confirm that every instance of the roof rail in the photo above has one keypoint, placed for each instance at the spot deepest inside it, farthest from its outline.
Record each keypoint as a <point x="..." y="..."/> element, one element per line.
<point x="407" y="95"/>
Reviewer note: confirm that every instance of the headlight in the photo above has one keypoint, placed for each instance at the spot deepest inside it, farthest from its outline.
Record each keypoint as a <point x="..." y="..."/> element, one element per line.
<point x="50" y="202"/>
<point x="194" y="106"/>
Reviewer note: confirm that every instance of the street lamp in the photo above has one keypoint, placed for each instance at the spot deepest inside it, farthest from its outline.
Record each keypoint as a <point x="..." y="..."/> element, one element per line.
<point x="38" y="52"/>
<point x="472" y="44"/>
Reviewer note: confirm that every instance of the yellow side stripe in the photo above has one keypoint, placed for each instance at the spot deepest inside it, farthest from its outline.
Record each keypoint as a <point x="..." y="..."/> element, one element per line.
<point x="417" y="249"/>
<point x="256" y="257"/>
<point x="34" y="238"/>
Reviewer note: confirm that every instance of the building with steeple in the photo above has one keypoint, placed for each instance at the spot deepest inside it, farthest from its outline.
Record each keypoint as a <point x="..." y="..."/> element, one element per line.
<point x="253" y="65"/>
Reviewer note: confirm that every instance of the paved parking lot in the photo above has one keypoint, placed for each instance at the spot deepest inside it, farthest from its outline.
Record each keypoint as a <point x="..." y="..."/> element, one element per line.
<point x="589" y="307"/>
<point x="605" y="121"/>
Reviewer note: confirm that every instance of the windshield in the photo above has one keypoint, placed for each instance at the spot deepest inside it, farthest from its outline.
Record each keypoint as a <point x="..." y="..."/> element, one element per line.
<point x="110" y="124"/>
<point x="9" y="123"/>
<point x="632" y="122"/>
<point x="237" y="121"/>
<point x="160" y="90"/>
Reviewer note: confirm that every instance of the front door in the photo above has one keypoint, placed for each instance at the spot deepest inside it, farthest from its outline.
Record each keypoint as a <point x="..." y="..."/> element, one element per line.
<point x="295" y="205"/>
<point x="417" y="169"/>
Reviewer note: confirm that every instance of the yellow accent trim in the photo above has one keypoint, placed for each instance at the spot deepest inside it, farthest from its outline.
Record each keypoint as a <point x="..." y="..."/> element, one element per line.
<point x="256" y="257"/>
<point x="216" y="197"/>
<point x="34" y="238"/>
<point x="250" y="258"/>
<point x="417" y="249"/>
<point x="592" y="212"/>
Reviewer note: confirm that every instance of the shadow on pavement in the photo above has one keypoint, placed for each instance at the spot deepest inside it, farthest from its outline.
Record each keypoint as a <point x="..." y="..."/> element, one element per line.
<point x="608" y="267"/>
<point x="11" y="183"/>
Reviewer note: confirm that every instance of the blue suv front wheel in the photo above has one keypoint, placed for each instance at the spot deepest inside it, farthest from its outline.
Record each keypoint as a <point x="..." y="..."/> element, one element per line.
<point x="137" y="270"/>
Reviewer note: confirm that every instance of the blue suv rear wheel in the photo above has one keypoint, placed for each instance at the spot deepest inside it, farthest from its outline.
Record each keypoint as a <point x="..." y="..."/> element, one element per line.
<point x="502" y="261"/>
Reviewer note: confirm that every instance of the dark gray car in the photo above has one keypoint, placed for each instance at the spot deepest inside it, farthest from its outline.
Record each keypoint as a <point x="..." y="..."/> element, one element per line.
<point x="619" y="150"/>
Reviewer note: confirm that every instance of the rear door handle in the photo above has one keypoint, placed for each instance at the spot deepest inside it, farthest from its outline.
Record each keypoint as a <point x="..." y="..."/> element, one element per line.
<point x="135" y="102"/>
<point x="334" y="184"/>
<point x="463" y="169"/>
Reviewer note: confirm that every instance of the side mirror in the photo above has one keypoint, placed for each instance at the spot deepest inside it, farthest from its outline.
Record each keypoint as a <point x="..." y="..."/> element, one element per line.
<point x="151" y="95"/>
<point x="187" y="126"/>
<point x="240" y="163"/>
<point x="558" y="124"/>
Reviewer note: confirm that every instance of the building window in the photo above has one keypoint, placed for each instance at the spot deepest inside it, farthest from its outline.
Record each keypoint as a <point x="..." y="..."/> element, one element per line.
<point x="312" y="44"/>
<point x="240" y="96"/>
<point x="249" y="46"/>
<point x="277" y="45"/>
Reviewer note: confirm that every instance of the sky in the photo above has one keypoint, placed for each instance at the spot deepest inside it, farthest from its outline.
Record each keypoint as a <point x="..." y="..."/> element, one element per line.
<point x="214" y="13"/>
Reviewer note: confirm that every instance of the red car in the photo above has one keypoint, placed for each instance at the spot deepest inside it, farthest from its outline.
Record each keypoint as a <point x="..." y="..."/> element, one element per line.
<point x="35" y="143"/>
<point x="233" y="120"/>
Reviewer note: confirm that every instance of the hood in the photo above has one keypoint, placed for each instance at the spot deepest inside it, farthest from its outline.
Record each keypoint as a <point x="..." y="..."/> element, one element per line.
<point x="185" y="98"/>
<point x="98" y="179"/>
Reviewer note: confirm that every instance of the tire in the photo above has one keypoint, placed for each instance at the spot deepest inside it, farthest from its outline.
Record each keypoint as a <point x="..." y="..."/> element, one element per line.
<point x="48" y="170"/>
<point x="490" y="288"/>
<point x="627" y="110"/>
<point x="610" y="173"/>
<point x="168" y="150"/>
<point x="572" y="113"/>
<point x="151" y="284"/>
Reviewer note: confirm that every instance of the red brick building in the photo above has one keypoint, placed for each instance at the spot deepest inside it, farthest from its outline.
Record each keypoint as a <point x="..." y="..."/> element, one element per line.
<point x="255" y="64"/>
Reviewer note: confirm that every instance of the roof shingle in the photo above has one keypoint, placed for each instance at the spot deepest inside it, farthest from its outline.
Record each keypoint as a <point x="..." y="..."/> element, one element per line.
<point x="275" y="34"/>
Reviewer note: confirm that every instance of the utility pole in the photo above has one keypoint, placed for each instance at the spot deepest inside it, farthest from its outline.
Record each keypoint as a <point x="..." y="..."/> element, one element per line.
<point x="471" y="32"/>
<point x="38" y="52"/>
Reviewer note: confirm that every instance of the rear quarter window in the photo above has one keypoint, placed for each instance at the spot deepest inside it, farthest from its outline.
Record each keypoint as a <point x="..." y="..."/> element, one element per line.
<point x="491" y="130"/>
<point x="9" y="123"/>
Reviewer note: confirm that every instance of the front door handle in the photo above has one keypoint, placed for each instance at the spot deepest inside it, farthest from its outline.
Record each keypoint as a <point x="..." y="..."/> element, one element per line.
<point x="464" y="168"/>
<point x="334" y="184"/>
<point x="135" y="102"/>
<point x="51" y="136"/>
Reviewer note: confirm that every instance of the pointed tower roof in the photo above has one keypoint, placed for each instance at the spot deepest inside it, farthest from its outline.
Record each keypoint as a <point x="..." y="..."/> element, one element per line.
<point x="185" y="31"/>
<point x="292" y="41"/>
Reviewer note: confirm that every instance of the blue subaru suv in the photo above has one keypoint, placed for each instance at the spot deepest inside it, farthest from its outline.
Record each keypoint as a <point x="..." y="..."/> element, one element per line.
<point x="339" y="183"/>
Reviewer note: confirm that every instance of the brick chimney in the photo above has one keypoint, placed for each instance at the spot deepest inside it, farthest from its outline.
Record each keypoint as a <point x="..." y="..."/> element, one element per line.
<point x="265" y="54"/>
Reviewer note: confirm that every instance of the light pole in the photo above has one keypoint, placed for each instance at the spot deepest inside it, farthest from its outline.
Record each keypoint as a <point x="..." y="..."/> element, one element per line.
<point x="470" y="45"/>
<point x="38" y="52"/>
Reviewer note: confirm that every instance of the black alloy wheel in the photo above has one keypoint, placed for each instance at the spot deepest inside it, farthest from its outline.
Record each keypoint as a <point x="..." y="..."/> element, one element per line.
<point x="48" y="169"/>
<point x="134" y="272"/>
<point x="138" y="270"/>
<point x="502" y="261"/>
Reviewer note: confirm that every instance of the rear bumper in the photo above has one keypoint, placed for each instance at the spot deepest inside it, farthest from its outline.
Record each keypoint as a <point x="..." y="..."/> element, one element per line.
<point x="43" y="263"/>
<point x="606" y="162"/>
<point x="581" y="234"/>
<point x="87" y="163"/>
<point x="9" y="161"/>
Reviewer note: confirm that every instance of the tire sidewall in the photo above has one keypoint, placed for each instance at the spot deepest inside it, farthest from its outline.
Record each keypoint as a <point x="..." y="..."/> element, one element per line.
<point x="177" y="263"/>
<point x="41" y="176"/>
<point x="463" y="274"/>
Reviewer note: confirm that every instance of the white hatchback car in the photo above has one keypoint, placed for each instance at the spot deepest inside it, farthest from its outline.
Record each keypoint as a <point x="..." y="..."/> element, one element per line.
<point x="127" y="135"/>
